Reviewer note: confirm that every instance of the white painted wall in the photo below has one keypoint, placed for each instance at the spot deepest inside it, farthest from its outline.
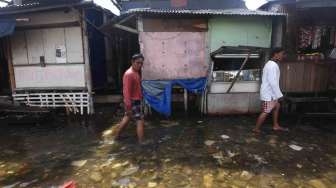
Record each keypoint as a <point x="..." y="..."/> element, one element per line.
<point x="29" y="44"/>
<point x="50" y="76"/>
<point x="19" y="48"/>
<point x="238" y="87"/>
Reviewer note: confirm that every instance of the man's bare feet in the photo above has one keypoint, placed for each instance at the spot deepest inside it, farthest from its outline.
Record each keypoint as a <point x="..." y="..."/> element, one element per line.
<point x="279" y="128"/>
<point x="257" y="131"/>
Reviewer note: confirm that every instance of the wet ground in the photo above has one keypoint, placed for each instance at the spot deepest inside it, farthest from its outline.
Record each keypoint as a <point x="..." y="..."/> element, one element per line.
<point x="181" y="152"/>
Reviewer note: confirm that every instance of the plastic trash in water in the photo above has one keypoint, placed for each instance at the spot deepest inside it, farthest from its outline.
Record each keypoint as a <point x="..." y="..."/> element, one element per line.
<point x="209" y="142"/>
<point x="296" y="147"/>
<point x="79" y="163"/>
<point x="12" y="186"/>
<point x="225" y="137"/>
<point x="70" y="184"/>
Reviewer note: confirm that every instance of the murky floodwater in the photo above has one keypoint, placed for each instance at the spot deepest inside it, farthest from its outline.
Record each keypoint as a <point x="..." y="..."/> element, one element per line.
<point x="182" y="152"/>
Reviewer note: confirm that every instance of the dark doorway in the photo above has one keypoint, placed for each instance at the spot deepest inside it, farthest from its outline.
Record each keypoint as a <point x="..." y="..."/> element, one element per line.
<point x="4" y="74"/>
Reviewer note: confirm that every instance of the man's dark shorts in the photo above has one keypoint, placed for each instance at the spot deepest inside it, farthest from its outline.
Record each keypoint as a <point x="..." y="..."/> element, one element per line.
<point x="137" y="113"/>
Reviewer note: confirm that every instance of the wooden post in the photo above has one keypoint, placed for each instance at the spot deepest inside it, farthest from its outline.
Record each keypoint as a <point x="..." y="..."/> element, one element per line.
<point x="88" y="76"/>
<point x="236" y="77"/>
<point x="10" y="65"/>
<point x="185" y="100"/>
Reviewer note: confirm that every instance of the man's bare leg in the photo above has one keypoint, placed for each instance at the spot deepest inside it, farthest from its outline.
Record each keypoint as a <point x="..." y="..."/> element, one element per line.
<point x="261" y="119"/>
<point x="124" y="122"/>
<point x="276" y="125"/>
<point x="276" y="116"/>
<point x="140" y="130"/>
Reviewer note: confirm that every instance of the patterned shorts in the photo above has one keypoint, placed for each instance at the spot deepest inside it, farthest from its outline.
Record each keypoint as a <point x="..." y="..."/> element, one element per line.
<point x="268" y="106"/>
<point x="137" y="113"/>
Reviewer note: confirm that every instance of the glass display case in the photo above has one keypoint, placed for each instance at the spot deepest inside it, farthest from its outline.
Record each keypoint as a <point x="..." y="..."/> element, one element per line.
<point x="226" y="66"/>
<point x="228" y="76"/>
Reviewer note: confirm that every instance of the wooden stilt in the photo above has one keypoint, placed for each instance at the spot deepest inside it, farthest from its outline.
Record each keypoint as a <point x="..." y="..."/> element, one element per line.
<point x="185" y="100"/>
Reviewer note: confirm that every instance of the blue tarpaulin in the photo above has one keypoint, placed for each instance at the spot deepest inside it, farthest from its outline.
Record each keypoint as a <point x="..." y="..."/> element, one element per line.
<point x="7" y="27"/>
<point x="158" y="94"/>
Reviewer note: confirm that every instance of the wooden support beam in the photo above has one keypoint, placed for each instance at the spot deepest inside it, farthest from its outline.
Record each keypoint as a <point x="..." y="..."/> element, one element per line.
<point x="140" y="24"/>
<point x="80" y="14"/>
<point x="88" y="76"/>
<point x="185" y="100"/>
<point x="126" y="19"/>
<point x="125" y="28"/>
<point x="236" y="77"/>
<point x="10" y="64"/>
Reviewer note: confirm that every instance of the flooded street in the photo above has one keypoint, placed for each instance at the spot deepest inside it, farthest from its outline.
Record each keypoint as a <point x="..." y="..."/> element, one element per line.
<point x="181" y="152"/>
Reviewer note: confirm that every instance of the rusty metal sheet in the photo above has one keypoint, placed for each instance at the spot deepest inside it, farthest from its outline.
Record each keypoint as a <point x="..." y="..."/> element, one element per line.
<point x="173" y="55"/>
<point x="175" y="25"/>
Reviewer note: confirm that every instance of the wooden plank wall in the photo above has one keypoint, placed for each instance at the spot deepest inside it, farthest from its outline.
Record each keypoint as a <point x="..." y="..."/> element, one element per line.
<point x="41" y="37"/>
<point x="29" y="45"/>
<point x="304" y="77"/>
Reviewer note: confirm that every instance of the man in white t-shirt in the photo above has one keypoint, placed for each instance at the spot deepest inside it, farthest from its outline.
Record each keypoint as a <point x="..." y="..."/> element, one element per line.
<point x="270" y="91"/>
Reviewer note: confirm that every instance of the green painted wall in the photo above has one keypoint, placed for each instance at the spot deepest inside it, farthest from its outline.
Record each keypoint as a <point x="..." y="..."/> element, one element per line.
<point x="240" y="30"/>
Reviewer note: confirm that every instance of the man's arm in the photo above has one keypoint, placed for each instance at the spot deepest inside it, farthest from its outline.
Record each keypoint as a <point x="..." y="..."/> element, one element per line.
<point x="127" y="83"/>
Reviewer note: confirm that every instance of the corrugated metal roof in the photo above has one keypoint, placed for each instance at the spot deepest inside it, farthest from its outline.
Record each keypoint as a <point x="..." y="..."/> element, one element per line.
<point x="21" y="6"/>
<point x="233" y="12"/>
<point x="39" y="5"/>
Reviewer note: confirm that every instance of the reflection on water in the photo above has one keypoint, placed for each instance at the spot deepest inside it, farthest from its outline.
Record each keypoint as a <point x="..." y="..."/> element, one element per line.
<point x="181" y="152"/>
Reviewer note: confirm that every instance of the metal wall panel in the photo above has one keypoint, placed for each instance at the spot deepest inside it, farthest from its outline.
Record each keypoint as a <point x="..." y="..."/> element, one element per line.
<point x="240" y="31"/>
<point x="173" y="55"/>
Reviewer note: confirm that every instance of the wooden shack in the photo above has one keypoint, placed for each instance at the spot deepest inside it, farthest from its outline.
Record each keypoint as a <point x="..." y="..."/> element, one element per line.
<point x="56" y="56"/>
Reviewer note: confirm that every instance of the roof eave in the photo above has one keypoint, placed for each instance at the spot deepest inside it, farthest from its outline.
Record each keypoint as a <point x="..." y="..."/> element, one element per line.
<point x="22" y="10"/>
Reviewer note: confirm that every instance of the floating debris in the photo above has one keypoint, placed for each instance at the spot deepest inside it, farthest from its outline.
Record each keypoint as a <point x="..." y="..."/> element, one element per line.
<point x="225" y="136"/>
<point x="118" y="165"/>
<point x="296" y="147"/>
<point x="316" y="183"/>
<point x="209" y="142"/>
<point x="11" y="186"/>
<point x="124" y="182"/>
<point x="168" y="124"/>
<point x="231" y="154"/>
<point x="70" y="184"/>
<point x="251" y="140"/>
<point x="79" y="163"/>
<point x="245" y="175"/>
<point x="129" y="171"/>
<point x="208" y="181"/>
<point x="96" y="176"/>
<point x="152" y="184"/>
<point x="219" y="157"/>
<point x="260" y="159"/>
<point x="25" y="184"/>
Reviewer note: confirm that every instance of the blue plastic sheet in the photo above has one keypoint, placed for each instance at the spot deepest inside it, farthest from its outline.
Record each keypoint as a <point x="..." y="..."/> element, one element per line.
<point x="158" y="94"/>
<point x="7" y="27"/>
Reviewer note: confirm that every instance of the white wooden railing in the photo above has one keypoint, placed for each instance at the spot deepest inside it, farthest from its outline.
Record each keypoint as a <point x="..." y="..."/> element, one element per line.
<point x="75" y="102"/>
